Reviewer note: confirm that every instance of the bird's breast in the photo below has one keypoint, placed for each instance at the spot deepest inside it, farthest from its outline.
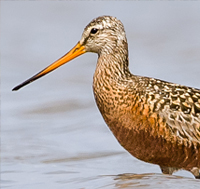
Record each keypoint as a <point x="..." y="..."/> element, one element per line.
<point x="143" y="133"/>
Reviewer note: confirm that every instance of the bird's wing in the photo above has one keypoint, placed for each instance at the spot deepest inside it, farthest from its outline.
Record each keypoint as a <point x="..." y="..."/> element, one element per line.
<point x="179" y="106"/>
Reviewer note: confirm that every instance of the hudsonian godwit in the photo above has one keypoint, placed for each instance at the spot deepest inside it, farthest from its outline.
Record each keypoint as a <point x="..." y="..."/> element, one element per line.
<point x="154" y="120"/>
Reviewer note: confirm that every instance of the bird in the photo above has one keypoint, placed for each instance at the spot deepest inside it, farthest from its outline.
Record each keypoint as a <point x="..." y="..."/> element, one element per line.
<point x="154" y="120"/>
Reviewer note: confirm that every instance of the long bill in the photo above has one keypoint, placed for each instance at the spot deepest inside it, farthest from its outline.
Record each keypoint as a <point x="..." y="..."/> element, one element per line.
<point x="73" y="53"/>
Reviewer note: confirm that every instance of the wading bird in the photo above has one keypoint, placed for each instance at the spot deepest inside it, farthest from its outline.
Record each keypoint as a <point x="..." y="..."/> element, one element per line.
<point x="154" y="120"/>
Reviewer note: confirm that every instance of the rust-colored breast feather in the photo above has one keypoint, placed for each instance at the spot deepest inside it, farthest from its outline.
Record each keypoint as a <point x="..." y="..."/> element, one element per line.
<point x="155" y="121"/>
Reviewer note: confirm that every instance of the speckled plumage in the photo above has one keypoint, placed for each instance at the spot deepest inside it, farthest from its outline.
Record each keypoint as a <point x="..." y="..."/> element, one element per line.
<point x="156" y="121"/>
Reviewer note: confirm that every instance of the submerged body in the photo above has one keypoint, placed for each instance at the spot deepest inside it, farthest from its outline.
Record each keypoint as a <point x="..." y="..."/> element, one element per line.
<point x="156" y="121"/>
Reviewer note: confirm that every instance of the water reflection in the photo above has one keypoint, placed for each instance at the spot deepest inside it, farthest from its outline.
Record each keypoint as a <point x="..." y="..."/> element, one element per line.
<point x="149" y="180"/>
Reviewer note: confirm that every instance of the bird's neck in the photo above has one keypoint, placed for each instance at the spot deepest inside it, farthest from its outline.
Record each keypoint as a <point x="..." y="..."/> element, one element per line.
<point x="113" y="63"/>
<point x="111" y="76"/>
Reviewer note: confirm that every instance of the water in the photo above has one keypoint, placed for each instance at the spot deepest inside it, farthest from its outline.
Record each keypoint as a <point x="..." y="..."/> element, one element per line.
<point x="52" y="134"/>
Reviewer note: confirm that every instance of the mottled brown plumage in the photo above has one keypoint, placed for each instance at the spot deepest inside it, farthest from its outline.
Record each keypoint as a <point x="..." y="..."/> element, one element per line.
<point x="156" y="121"/>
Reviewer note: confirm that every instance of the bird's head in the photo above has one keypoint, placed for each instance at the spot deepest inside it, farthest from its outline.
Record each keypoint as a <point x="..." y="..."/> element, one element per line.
<point x="103" y="35"/>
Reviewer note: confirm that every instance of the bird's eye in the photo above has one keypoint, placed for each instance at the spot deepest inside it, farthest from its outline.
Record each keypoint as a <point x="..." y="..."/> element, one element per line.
<point x="93" y="30"/>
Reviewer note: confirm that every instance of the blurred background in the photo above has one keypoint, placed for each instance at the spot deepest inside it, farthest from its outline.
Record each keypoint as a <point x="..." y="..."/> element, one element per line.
<point x="52" y="134"/>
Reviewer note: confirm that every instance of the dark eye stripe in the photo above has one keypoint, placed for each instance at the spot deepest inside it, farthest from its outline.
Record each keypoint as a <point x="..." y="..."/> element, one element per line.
<point x="94" y="30"/>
